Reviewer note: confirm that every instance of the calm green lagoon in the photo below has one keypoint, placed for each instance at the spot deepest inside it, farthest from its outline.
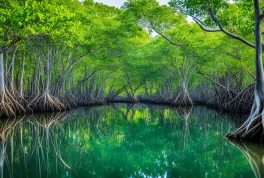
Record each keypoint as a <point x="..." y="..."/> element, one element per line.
<point x="126" y="141"/>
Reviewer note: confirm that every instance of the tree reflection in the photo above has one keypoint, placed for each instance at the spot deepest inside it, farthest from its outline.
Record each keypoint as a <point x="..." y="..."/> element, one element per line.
<point x="255" y="156"/>
<point x="115" y="141"/>
<point x="185" y="113"/>
<point x="7" y="135"/>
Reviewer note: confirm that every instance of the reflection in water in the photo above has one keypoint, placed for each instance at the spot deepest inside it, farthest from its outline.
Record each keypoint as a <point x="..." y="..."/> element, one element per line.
<point x="184" y="113"/>
<point x="121" y="141"/>
<point x="255" y="156"/>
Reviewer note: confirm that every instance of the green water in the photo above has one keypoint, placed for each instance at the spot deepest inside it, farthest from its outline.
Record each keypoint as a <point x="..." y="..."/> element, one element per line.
<point x="125" y="141"/>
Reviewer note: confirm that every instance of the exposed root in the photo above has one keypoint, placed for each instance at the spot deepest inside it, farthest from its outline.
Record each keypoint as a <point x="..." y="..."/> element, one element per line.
<point x="47" y="103"/>
<point x="99" y="101"/>
<point x="183" y="98"/>
<point x="21" y="100"/>
<point x="69" y="101"/>
<point x="252" y="128"/>
<point x="134" y="99"/>
<point x="9" y="106"/>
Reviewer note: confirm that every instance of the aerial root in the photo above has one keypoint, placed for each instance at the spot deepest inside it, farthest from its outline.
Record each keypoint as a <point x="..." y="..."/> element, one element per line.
<point x="183" y="98"/>
<point x="9" y="106"/>
<point x="69" y="102"/>
<point x="134" y="99"/>
<point x="47" y="103"/>
<point x="252" y="128"/>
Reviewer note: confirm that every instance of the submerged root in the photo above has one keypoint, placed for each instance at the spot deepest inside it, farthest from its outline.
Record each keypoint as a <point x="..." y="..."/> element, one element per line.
<point x="47" y="103"/>
<point x="252" y="128"/>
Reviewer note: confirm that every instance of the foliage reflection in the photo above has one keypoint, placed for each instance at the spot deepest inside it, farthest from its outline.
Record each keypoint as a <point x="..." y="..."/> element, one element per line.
<point x="121" y="141"/>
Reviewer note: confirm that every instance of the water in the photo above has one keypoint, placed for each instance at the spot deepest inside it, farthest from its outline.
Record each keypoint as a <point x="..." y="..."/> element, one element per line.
<point x="126" y="141"/>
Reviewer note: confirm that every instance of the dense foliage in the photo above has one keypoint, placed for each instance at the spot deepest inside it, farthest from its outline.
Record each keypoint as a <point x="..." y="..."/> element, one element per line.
<point x="57" y="54"/>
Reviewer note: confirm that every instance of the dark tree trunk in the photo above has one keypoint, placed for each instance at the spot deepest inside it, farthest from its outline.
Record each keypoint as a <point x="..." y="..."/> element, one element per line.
<point x="252" y="129"/>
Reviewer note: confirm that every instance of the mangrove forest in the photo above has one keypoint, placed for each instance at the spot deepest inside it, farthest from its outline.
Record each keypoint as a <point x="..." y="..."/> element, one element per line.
<point x="131" y="88"/>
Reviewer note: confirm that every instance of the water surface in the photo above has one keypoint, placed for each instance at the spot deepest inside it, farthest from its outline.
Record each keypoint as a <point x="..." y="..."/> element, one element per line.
<point x="126" y="141"/>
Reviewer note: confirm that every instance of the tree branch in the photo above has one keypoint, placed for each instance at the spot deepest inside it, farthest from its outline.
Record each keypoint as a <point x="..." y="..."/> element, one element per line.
<point x="165" y="37"/>
<point x="201" y="25"/>
<point x="8" y="46"/>
<point x="215" y="19"/>
<point x="214" y="81"/>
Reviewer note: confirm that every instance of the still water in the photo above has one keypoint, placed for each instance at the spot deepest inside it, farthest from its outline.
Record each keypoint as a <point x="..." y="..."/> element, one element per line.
<point x="126" y="141"/>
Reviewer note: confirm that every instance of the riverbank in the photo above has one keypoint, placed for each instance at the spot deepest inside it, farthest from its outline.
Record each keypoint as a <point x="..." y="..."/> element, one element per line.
<point x="69" y="103"/>
<point x="139" y="100"/>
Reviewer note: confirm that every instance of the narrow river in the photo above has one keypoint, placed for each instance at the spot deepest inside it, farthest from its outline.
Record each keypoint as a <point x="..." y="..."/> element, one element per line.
<point x="126" y="141"/>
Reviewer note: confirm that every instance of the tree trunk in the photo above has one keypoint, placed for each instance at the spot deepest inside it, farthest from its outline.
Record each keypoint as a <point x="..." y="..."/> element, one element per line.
<point x="21" y="87"/>
<point x="48" y="74"/>
<point x="47" y="102"/>
<point x="252" y="129"/>
<point x="258" y="40"/>
<point x="2" y="78"/>
<point x="12" y="71"/>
